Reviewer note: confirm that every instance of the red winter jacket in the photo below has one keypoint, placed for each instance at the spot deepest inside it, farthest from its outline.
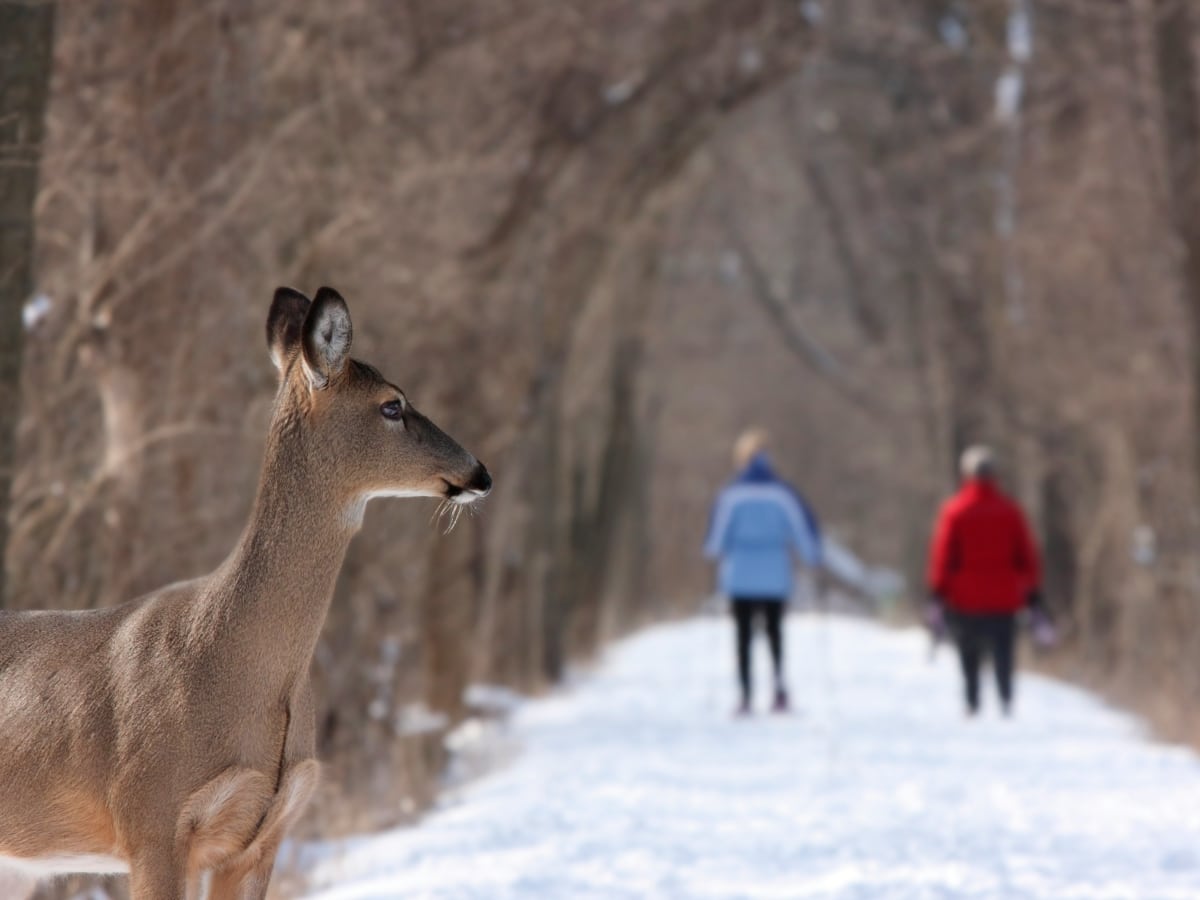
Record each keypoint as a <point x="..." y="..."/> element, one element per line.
<point x="982" y="559"/>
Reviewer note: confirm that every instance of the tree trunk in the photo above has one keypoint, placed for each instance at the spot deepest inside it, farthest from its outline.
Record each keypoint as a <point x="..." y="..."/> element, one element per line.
<point x="26" y="30"/>
<point x="1175" y="62"/>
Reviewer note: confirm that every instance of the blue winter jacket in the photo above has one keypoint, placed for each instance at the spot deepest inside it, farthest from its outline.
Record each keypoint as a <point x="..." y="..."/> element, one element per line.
<point x="758" y="522"/>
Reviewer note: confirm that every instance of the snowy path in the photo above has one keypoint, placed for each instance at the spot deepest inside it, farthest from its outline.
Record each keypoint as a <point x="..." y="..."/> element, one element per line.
<point x="639" y="784"/>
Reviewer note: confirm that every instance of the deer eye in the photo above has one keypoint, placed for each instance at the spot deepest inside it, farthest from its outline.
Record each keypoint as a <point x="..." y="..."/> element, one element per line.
<point x="393" y="409"/>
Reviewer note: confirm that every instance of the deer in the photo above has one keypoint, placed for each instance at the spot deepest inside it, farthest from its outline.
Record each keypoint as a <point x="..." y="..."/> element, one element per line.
<point x="172" y="738"/>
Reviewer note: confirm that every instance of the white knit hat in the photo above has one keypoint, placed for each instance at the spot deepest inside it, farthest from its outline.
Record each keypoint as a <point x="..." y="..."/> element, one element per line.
<point x="978" y="461"/>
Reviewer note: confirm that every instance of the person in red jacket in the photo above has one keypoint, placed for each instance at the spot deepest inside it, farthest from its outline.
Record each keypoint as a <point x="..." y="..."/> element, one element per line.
<point x="983" y="568"/>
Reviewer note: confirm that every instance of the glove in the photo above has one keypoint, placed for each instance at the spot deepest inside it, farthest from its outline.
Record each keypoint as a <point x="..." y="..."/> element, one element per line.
<point x="1041" y="627"/>
<point x="1041" y="623"/>
<point x="935" y="619"/>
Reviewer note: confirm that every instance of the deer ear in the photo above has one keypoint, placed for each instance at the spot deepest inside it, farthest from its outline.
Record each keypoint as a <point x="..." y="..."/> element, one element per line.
<point x="285" y="325"/>
<point x="327" y="337"/>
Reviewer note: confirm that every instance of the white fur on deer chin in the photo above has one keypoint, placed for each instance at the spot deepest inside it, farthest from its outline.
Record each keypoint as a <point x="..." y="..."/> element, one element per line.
<point x="357" y="508"/>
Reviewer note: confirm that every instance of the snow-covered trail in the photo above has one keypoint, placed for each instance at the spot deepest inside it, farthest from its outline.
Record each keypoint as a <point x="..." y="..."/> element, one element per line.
<point x="638" y="783"/>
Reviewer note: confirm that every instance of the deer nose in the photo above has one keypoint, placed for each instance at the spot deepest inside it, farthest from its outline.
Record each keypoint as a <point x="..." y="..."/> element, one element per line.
<point x="481" y="481"/>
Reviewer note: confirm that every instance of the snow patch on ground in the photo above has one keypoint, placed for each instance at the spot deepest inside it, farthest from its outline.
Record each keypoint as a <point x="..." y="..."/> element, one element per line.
<point x="638" y="783"/>
<point x="35" y="311"/>
<point x="847" y="568"/>
<point x="492" y="699"/>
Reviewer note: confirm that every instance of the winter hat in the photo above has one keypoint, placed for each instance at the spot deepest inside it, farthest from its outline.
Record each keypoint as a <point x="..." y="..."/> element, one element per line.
<point x="978" y="462"/>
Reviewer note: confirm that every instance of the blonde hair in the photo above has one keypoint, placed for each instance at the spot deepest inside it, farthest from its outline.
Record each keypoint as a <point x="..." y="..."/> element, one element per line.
<point x="978" y="462"/>
<point x="749" y="444"/>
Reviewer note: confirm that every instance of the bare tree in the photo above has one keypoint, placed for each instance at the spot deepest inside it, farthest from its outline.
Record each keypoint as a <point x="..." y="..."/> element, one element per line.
<point x="25" y="59"/>
<point x="1177" y="69"/>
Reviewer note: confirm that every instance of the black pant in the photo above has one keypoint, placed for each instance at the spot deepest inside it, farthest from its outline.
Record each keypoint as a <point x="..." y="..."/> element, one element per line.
<point x="981" y="635"/>
<point x="745" y="609"/>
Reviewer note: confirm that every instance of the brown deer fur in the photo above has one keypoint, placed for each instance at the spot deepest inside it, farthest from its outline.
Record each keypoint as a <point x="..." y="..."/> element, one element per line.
<point x="173" y="735"/>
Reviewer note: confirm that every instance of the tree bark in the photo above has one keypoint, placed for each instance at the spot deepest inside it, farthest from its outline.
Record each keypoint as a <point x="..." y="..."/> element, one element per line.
<point x="1176" y="66"/>
<point x="26" y="34"/>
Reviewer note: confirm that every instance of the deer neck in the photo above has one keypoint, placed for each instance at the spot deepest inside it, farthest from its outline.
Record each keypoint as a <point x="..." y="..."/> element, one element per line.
<point x="271" y="595"/>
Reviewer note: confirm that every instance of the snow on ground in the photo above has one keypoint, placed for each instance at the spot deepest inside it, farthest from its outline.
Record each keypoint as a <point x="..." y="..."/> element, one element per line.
<point x="638" y="783"/>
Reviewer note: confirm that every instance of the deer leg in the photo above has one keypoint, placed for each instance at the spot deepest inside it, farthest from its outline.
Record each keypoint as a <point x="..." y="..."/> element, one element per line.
<point x="218" y="822"/>
<point x="242" y="883"/>
<point x="157" y="877"/>
<point x="248" y="876"/>
<point x="197" y="885"/>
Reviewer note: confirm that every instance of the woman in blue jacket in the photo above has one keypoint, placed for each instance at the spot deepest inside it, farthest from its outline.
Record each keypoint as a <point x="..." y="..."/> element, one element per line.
<point x="759" y="523"/>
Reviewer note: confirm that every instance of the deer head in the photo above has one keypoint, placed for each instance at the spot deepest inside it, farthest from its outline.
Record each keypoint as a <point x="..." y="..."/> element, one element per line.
<point x="344" y="413"/>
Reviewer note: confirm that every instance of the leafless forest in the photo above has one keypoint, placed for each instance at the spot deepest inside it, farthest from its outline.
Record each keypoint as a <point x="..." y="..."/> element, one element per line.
<point x="593" y="239"/>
